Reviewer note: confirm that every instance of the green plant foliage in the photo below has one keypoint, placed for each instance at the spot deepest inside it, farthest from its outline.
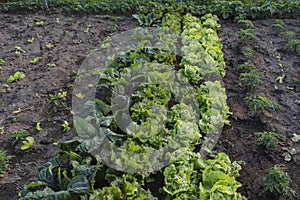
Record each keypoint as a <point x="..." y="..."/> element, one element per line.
<point x="191" y="177"/>
<point x="164" y="112"/>
<point x="27" y="144"/>
<point x="247" y="36"/>
<point x="247" y="53"/>
<point x="293" y="46"/>
<point x="147" y="19"/>
<point x="278" y="26"/>
<point x="246" y="66"/>
<point x="66" y="126"/>
<point x="49" y="46"/>
<point x="202" y="48"/>
<point x="17" y="136"/>
<point x="4" y="159"/>
<point x="58" y="100"/>
<point x="213" y="107"/>
<point x="2" y="62"/>
<point x="72" y="176"/>
<point x="288" y="35"/>
<point x="250" y="79"/>
<point x="277" y="181"/>
<point x="40" y="23"/>
<point x="296" y="137"/>
<point x="225" y="9"/>
<point x="35" y="60"/>
<point x="261" y="104"/>
<point x="19" y="50"/>
<point x="17" y="76"/>
<point x="245" y="24"/>
<point x="269" y="140"/>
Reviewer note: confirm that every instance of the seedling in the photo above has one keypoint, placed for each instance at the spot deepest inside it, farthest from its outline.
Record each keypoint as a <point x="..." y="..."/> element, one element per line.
<point x="293" y="46"/>
<point x="40" y="23"/>
<point x="247" y="24"/>
<point x="51" y="64"/>
<point x="2" y="62"/>
<point x="277" y="181"/>
<point x="18" y="75"/>
<point x="269" y="140"/>
<point x="4" y="159"/>
<point x="296" y="137"/>
<point x="79" y="95"/>
<point x="250" y="79"/>
<point x="246" y="66"/>
<point x="27" y="144"/>
<point x="278" y="25"/>
<point x="290" y="150"/>
<point x="16" y="136"/>
<point x="247" y="36"/>
<point x="49" y="46"/>
<point x="38" y="126"/>
<point x="70" y="21"/>
<point x="30" y="40"/>
<point x="35" y="60"/>
<point x="91" y="50"/>
<point x="87" y="28"/>
<point x="261" y="104"/>
<point x="239" y="18"/>
<point x="19" y="50"/>
<point x="14" y="120"/>
<point x="280" y="79"/>
<point x="113" y="28"/>
<point x="59" y="100"/>
<point x="66" y="126"/>
<point x="17" y="111"/>
<point x="288" y="35"/>
<point x="247" y="52"/>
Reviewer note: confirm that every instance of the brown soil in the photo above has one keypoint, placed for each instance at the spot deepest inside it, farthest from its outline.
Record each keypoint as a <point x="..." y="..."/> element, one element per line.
<point x="71" y="45"/>
<point x="237" y="139"/>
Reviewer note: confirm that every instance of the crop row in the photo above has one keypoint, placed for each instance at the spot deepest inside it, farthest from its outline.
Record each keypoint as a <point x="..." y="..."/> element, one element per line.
<point x="159" y="109"/>
<point x="222" y="8"/>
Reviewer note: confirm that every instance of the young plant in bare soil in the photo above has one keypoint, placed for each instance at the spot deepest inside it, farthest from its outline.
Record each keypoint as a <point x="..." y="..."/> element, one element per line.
<point x="250" y="79"/>
<point x="260" y="104"/>
<point x="17" y="136"/>
<point x="269" y="140"/>
<point x="247" y="35"/>
<point x="247" y="53"/>
<point x="294" y="46"/>
<point x="58" y="100"/>
<point x="278" y="26"/>
<point x="277" y="181"/>
<point x="4" y="159"/>
<point x="17" y="76"/>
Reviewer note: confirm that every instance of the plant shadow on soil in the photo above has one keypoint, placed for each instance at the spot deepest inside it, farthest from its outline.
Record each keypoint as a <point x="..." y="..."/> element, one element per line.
<point x="71" y="45"/>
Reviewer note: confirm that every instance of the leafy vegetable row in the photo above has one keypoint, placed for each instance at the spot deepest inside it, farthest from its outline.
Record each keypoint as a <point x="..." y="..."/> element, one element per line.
<point x="74" y="174"/>
<point x="203" y="60"/>
<point x="222" y="8"/>
<point x="161" y="108"/>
